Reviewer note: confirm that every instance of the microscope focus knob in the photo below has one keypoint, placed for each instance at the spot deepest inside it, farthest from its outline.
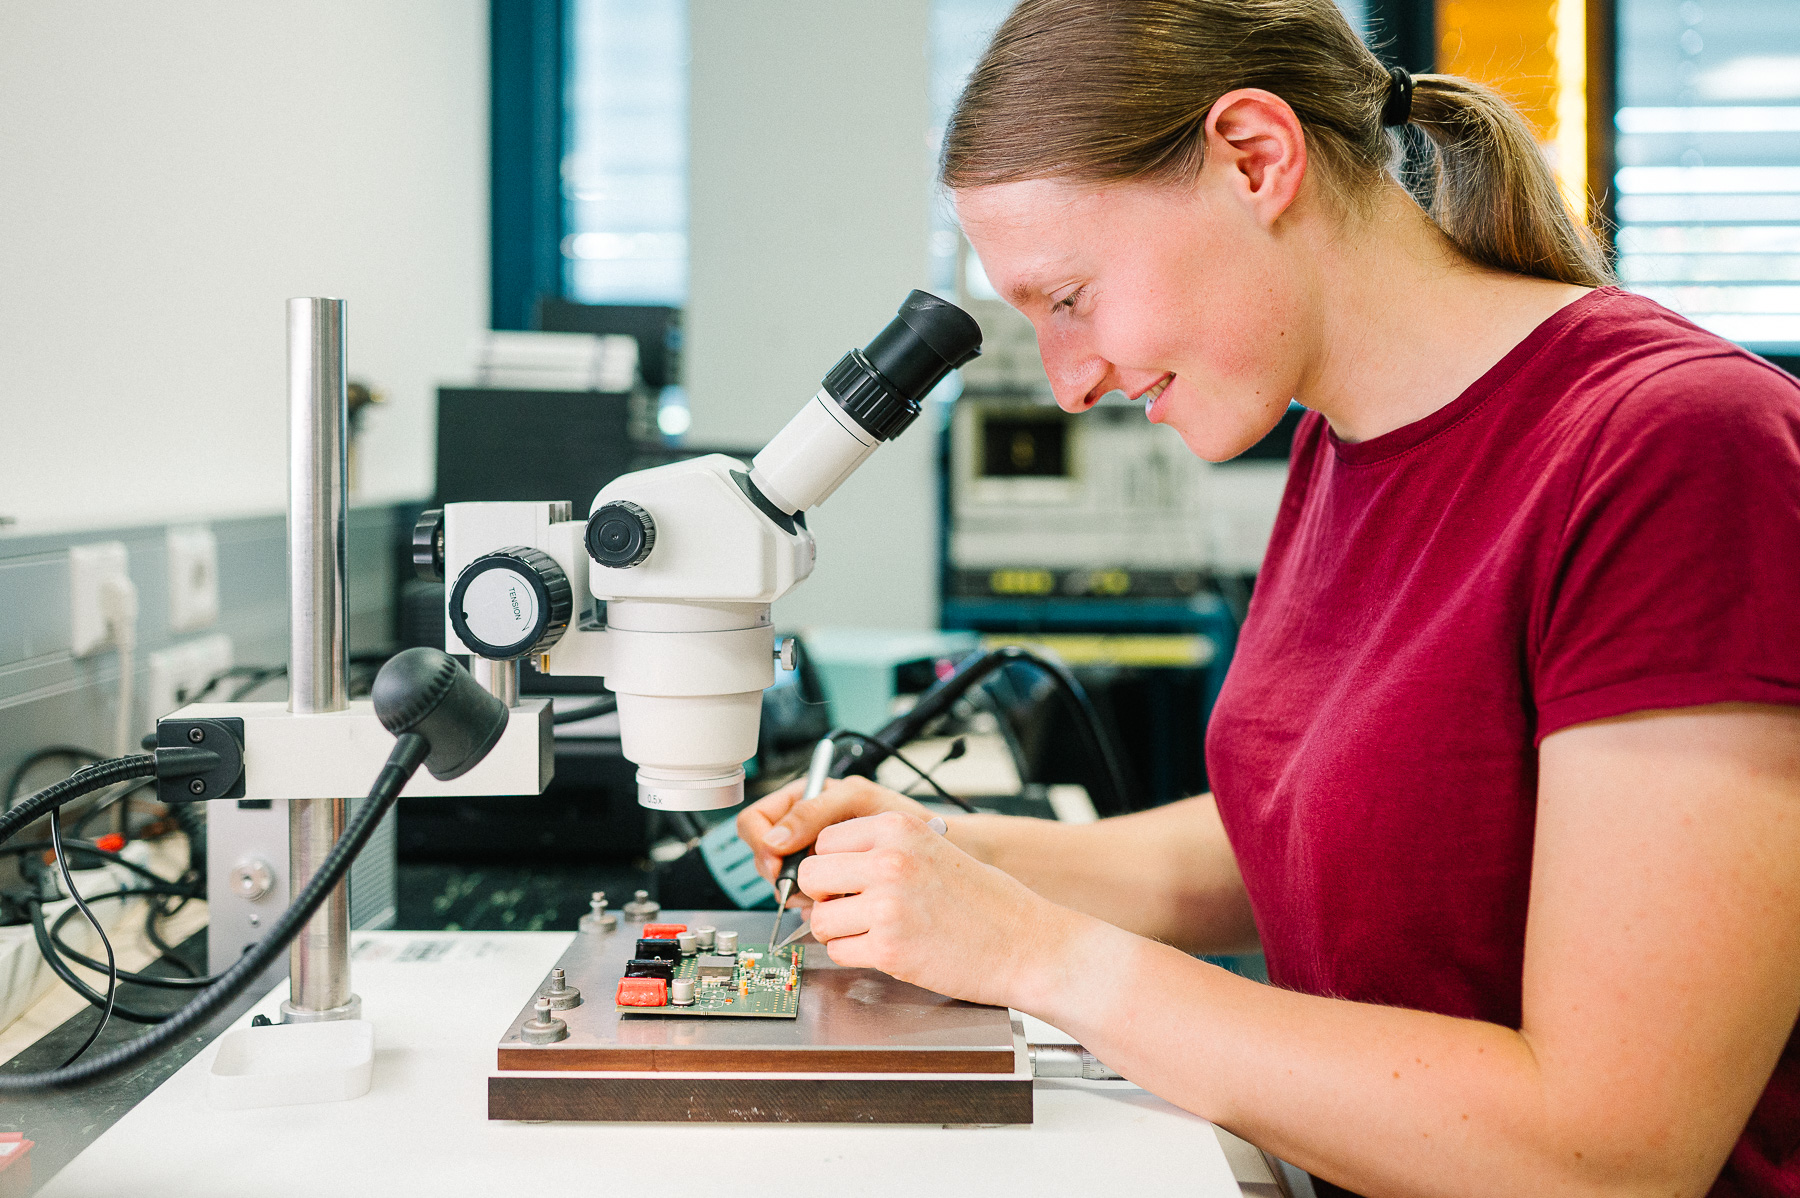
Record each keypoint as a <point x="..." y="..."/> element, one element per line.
<point x="511" y="603"/>
<point x="620" y="535"/>
<point x="428" y="545"/>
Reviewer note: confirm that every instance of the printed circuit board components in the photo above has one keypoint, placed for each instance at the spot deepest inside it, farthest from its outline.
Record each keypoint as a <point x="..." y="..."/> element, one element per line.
<point x="677" y="972"/>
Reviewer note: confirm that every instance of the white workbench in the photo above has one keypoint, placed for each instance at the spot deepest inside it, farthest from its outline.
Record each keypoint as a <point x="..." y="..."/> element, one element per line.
<point x="439" y="1001"/>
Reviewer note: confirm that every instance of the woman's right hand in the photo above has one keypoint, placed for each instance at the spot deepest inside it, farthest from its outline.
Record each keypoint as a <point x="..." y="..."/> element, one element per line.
<point x="779" y="824"/>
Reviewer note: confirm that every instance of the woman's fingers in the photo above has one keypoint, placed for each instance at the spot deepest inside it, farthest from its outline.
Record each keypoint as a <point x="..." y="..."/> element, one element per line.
<point x="842" y="799"/>
<point x="866" y="832"/>
<point x="754" y="822"/>
<point x="840" y="917"/>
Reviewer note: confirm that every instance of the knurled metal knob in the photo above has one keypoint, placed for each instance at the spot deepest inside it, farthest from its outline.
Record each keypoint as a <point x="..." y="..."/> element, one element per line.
<point x="560" y="994"/>
<point x="544" y="1027"/>
<point x="252" y="878"/>
<point x="598" y="919"/>
<point x="620" y="534"/>
<point x="511" y="603"/>
<point x="428" y="545"/>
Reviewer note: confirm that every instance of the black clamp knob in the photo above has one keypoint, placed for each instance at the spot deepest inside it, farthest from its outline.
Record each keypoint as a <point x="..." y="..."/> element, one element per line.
<point x="511" y="603"/>
<point x="620" y="535"/>
<point x="428" y="545"/>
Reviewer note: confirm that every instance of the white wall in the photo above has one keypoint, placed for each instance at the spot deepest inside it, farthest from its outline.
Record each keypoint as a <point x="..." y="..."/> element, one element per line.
<point x="170" y="173"/>
<point x="809" y="186"/>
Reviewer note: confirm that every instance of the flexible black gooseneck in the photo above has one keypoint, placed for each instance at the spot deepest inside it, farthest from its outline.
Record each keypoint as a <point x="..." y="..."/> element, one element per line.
<point x="442" y="719"/>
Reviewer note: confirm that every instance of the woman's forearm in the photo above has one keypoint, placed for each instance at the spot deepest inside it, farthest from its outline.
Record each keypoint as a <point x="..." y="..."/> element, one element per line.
<point x="1168" y="873"/>
<point x="1381" y="1100"/>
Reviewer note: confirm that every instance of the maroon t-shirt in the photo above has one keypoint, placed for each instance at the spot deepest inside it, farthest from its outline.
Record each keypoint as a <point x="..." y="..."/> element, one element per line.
<point x="1607" y="521"/>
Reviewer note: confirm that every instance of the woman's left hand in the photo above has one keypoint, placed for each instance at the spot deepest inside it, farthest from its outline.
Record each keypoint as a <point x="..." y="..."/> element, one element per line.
<point x="889" y="893"/>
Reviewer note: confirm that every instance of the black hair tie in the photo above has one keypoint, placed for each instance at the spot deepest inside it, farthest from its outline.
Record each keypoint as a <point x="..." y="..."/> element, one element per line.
<point x="1398" y="108"/>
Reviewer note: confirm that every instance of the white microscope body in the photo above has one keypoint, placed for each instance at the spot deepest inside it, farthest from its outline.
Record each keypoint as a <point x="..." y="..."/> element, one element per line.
<point x="684" y="561"/>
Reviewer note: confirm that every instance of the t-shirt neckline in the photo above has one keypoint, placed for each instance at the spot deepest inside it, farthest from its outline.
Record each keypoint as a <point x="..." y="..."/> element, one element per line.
<point x="1410" y="436"/>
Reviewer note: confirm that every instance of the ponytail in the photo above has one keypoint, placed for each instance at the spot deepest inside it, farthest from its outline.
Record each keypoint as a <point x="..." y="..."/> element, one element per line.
<point x="1099" y="91"/>
<point x="1492" y="193"/>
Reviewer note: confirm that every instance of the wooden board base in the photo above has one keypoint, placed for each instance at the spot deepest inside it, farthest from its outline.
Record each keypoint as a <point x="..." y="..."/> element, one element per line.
<point x="761" y="1099"/>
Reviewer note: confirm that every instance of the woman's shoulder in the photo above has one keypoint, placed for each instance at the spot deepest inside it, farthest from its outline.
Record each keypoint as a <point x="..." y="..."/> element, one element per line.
<point x="1638" y="370"/>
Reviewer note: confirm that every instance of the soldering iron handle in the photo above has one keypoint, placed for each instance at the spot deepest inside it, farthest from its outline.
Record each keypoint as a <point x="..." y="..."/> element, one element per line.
<point x="790" y="866"/>
<point x="818" y="771"/>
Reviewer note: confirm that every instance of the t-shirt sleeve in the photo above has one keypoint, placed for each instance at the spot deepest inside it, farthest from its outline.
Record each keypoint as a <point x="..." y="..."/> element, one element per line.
<point x="1677" y="577"/>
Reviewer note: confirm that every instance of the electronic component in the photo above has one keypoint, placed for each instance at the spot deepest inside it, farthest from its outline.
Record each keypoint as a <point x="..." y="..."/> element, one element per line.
<point x="655" y="967"/>
<point x="665" y="950"/>
<point x="642" y="992"/>
<point x="705" y="938"/>
<point x="687" y="943"/>
<point x="754" y="985"/>
<point x="725" y="942"/>
<point x="663" y="931"/>
<point x="714" y="967"/>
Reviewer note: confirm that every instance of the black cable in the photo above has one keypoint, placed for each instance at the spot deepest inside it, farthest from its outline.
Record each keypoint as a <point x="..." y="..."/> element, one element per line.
<point x="82" y="782"/>
<point x="89" y="849"/>
<point x="24" y="767"/>
<point x="905" y="728"/>
<point x="409" y="752"/>
<point x="268" y="674"/>
<point x="958" y="748"/>
<point x="605" y="705"/>
<point x="124" y="975"/>
<point x="158" y="911"/>
<point x="106" y="804"/>
<point x="40" y="930"/>
<point x="112" y="963"/>
<point x="888" y="750"/>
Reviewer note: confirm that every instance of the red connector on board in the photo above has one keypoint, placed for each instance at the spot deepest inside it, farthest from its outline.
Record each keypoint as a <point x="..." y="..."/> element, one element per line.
<point x="642" y="992"/>
<point x="663" y="931"/>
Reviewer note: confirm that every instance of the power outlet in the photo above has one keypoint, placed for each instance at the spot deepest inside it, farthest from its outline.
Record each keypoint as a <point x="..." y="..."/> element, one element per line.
<point x="91" y="568"/>
<point x="193" y="557"/>
<point x="179" y="673"/>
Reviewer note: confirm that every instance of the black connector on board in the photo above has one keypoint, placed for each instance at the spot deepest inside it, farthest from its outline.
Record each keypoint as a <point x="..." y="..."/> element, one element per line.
<point x="654" y="967"/>
<point x="658" y="950"/>
<point x="201" y="759"/>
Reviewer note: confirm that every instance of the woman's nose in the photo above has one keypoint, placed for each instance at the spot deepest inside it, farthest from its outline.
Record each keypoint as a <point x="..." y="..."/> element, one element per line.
<point x="1075" y="374"/>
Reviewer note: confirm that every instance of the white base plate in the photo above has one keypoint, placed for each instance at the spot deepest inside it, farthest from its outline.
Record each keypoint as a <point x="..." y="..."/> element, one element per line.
<point x="286" y="1064"/>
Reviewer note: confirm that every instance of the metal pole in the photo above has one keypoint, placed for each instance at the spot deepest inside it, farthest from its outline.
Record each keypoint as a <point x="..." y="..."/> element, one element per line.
<point x="499" y="678"/>
<point x="318" y="663"/>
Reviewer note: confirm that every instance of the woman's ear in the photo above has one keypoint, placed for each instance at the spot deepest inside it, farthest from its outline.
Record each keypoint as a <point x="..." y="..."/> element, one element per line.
<point x="1256" y="141"/>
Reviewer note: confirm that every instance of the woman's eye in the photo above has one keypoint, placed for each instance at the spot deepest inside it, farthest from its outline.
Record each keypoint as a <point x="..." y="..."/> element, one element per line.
<point x="1068" y="301"/>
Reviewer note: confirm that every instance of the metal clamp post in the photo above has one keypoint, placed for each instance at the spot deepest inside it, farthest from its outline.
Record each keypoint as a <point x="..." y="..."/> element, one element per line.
<point x="318" y="661"/>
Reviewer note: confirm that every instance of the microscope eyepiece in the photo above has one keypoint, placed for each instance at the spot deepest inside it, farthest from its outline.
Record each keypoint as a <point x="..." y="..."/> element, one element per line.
<point x="880" y="385"/>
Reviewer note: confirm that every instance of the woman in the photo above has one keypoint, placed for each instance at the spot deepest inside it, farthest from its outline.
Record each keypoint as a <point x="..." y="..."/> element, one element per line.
<point x="1507" y="768"/>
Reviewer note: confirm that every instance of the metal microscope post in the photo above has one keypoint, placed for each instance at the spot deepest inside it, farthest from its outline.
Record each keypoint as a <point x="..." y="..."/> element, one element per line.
<point x="318" y="662"/>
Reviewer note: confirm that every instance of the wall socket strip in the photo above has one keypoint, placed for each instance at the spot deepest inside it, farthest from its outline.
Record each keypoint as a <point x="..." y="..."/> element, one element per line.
<point x="91" y="569"/>
<point x="193" y="561"/>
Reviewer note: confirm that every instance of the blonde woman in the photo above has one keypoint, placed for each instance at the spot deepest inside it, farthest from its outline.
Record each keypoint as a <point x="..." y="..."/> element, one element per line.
<point x="1507" y="768"/>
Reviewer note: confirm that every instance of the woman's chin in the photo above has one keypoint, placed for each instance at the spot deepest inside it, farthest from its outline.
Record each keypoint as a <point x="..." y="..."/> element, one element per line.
<point x="1215" y="444"/>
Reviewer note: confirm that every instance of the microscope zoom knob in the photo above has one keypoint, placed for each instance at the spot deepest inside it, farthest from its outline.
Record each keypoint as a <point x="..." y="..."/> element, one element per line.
<point x="620" y="535"/>
<point x="511" y="603"/>
<point x="428" y="545"/>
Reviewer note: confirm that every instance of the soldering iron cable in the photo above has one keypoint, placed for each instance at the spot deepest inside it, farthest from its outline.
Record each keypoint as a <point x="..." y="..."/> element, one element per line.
<point x="903" y="728"/>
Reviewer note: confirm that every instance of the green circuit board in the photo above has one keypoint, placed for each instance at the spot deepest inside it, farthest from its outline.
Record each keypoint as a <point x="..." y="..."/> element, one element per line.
<point x="758" y="986"/>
